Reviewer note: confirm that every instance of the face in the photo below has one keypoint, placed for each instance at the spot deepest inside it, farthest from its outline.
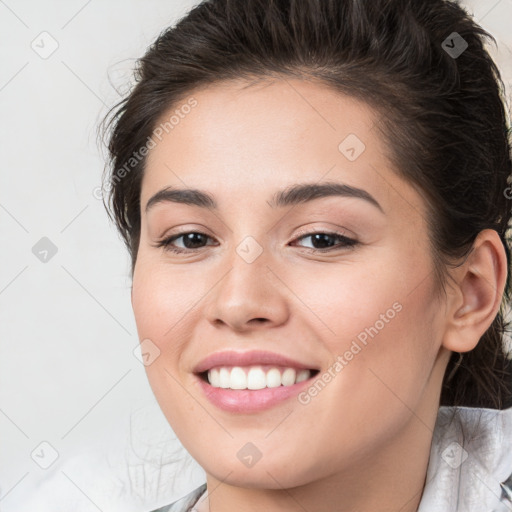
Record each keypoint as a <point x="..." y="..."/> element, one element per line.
<point x="340" y="282"/>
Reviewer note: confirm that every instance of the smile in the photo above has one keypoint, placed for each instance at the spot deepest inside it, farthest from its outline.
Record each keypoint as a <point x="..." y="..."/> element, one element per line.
<point x="253" y="380"/>
<point x="253" y="389"/>
<point x="255" y="377"/>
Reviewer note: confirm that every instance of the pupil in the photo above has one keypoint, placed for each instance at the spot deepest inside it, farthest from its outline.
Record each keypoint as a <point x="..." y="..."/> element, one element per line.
<point x="190" y="238"/>
<point x="322" y="237"/>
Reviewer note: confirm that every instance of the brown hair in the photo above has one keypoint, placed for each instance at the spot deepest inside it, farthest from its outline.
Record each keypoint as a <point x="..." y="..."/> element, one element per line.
<point x="421" y="65"/>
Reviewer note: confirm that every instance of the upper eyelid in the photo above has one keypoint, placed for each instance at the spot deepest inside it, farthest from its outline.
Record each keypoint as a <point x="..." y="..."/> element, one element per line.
<point x="312" y="231"/>
<point x="301" y="233"/>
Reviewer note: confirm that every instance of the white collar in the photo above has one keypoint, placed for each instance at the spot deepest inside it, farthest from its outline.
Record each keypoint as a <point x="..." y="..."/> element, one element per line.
<point x="470" y="463"/>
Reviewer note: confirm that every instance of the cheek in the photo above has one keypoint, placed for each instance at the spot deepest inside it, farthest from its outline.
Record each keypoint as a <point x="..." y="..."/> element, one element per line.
<point x="160" y="311"/>
<point x="159" y="302"/>
<point x="380" y="327"/>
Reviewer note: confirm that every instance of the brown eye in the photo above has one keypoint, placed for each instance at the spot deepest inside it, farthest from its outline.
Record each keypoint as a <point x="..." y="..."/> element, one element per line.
<point x="324" y="241"/>
<point x="191" y="240"/>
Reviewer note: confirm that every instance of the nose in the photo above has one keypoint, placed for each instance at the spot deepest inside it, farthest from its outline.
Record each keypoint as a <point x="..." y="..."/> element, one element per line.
<point x="249" y="296"/>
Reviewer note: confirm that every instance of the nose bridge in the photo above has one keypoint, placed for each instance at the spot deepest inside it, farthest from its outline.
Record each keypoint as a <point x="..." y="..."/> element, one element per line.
<point x="247" y="291"/>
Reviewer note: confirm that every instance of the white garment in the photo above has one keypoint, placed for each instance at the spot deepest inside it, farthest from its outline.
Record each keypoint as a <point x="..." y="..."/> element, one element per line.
<point x="471" y="455"/>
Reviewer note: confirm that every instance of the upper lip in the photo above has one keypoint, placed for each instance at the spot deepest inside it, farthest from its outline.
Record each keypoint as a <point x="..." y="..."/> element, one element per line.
<point x="248" y="358"/>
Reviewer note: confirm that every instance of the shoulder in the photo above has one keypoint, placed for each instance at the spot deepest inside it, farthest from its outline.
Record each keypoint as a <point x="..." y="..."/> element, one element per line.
<point x="184" y="504"/>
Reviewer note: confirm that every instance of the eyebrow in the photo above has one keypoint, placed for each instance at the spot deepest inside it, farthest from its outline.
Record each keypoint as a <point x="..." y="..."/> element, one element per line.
<point x="293" y="195"/>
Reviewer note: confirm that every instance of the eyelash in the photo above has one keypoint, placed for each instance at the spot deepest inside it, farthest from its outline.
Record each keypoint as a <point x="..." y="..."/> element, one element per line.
<point x="346" y="242"/>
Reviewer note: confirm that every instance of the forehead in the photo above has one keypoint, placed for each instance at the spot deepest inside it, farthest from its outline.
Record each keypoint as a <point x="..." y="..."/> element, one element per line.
<point x="248" y="141"/>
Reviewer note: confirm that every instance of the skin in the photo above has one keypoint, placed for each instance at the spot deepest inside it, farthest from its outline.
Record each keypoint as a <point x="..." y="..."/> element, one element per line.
<point x="350" y="448"/>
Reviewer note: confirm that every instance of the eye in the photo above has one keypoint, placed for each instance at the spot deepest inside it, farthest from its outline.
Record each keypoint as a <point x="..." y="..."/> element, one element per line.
<point x="325" y="241"/>
<point x="194" y="240"/>
<point x="190" y="239"/>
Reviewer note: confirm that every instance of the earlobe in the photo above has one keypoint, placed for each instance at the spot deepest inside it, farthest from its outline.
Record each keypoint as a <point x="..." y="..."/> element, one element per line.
<point x="480" y="283"/>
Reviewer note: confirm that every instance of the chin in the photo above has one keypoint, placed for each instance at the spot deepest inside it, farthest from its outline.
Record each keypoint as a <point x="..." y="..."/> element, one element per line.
<point x="264" y="474"/>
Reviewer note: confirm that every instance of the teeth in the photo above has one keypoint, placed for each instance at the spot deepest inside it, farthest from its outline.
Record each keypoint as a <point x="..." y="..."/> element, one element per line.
<point x="238" y="378"/>
<point x="255" y="377"/>
<point x="273" y="378"/>
<point x="288" y="377"/>
<point x="303" y="375"/>
<point x="224" y="378"/>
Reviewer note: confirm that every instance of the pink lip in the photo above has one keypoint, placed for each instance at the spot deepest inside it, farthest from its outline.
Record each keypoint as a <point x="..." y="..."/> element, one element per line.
<point x="248" y="358"/>
<point x="249" y="400"/>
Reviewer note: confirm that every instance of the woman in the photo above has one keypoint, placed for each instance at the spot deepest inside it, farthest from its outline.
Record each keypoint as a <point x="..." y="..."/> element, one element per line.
<point x="315" y="196"/>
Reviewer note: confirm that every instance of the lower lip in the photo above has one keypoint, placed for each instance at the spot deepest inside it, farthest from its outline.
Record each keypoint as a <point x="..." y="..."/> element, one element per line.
<point x="250" y="400"/>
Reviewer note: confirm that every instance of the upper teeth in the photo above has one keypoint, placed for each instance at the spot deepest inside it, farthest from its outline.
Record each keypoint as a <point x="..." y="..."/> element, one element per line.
<point x="254" y="377"/>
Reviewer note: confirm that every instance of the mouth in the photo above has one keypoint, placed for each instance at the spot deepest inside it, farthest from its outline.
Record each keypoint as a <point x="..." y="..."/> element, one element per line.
<point x="251" y="381"/>
<point x="255" y="377"/>
<point x="246" y="390"/>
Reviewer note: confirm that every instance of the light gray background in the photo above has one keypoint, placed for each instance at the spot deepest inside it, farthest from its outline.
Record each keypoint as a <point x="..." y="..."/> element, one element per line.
<point x="69" y="377"/>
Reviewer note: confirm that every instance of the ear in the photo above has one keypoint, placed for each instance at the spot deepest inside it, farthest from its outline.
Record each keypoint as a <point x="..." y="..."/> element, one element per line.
<point x="475" y="298"/>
